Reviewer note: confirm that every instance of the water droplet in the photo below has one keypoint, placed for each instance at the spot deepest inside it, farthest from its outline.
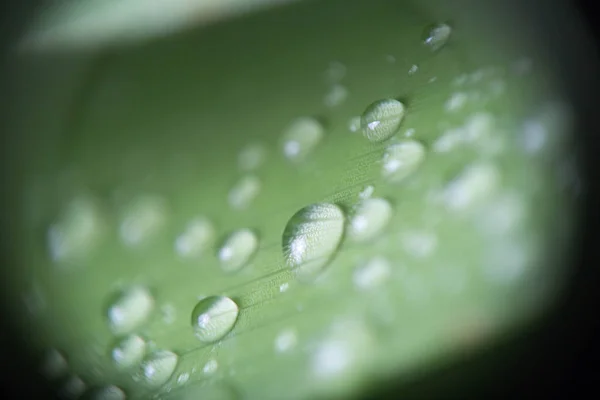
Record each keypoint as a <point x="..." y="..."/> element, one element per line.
<point x="128" y="352"/>
<point x="335" y="72"/>
<point x="284" y="287"/>
<point x="237" y="250"/>
<point x="210" y="367"/>
<point x="72" y="388"/>
<point x="402" y="159"/>
<point x="244" y="192"/>
<point x="473" y="185"/>
<point x="522" y="66"/>
<point x="437" y="36"/>
<point x="354" y="124"/>
<point x="198" y="236"/>
<point x="413" y="69"/>
<point x="158" y="367"/>
<point x="372" y="274"/>
<point x="109" y="392"/>
<point x="419" y="244"/>
<point x="381" y="119"/>
<point x="390" y="58"/>
<point x="337" y="95"/>
<point x="449" y="140"/>
<point x="311" y="238"/>
<point x="369" y="219"/>
<point x="169" y="313"/>
<point x="410" y="133"/>
<point x="367" y="192"/>
<point x="301" y="137"/>
<point x="183" y="378"/>
<point x="130" y="309"/>
<point x="456" y="101"/>
<point x="502" y="215"/>
<point x="460" y="80"/>
<point x="286" y="340"/>
<point x="506" y="262"/>
<point x="534" y="136"/>
<point x="213" y="318"/>
<point x="76" y="232"/>
<point x="252" y="157"/>
<point x="54" y="364"/>
<point x="143" y="218"/>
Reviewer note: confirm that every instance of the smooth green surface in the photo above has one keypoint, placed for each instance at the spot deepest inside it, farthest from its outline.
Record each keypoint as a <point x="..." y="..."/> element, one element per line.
<point x="169" y="119"/>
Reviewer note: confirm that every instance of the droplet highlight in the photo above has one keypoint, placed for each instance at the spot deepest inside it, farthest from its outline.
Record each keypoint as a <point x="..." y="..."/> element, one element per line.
<point x="214" y="317"/>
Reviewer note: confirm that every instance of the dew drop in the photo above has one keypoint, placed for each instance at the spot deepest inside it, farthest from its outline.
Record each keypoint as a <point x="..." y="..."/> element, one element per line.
<point x="213" y="318"/>
<point x="284" y="287"/>
<point x="143" y="218"/>
<point x="413" y="69"/>
<point x="109" y="392"/>
<point x="158" y="367"/>
<point x="337" y="95"/>
<point x="402" y="159"/>
<point x="419" y="244"/>
<point x="244" y="192"/>
<point x="372" y="274"/>
<point x="354" y="124"/>
<point x="437" y="36"/>
<point x="381" y="119"/>
<point x="369" y="219"/>
<point x="128" y="352"/>
<point x="252" y="157"/>
<point x="456" y="101"/>
<point x="301" y="137"/>
<point x="311" y="238"/>
<point x="76" y="232"/>
<point x="210" y="367"/>
<point x="237" y="250"/>
<point x="367" y="192"/>
<point x="335" y="71"/>
<point x="199" y="234"/>
<point x="183" y="378"/>
<point x="72" y="388"/>
<point x="286" y="340"/>
<point x="129" y="309"/>
<point x="473" y="185"/>
<point x="54" y="364"/>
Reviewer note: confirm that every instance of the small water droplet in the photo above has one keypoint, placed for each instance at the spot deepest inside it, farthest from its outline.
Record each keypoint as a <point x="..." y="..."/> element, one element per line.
<point x="354" y="124"/>
<point x="335" y="72"/>
<point x="158" y="367"/>
<point x="286" y="340"/>
<point x="534" y="136"/>
<point x="76" y="232"/>
<point x="244" y="192"/>
<point x="367" y="192"/>
<point x="143" y="218"/>
<point x="410" y="132"/>
<point x="374" y="273"/>
<point x="210" y="367"/>
<point x="301" y="137"/>
<point x="169" y="313"/>
<point x="473" y="185"/>
<point x="198" y="236"/>
<point x="109" y="392"/>
<point x="129" y="309"/>
<point x="128" y="352"/>
<point x="311" y="238"/>
<point x="460" y="80"/>
<point x="381" y="119"/>
<point x="390" y="58"/>
<point x="213" y="318"/>
<point x="502" y="215"/>
<point x="72" y="388"/>
<point x="413" y="69"/>
<point x="369" y="219"/>
<point x="402" y="159"/>
<point x="456" y="101"/>
<point x="419" y="244"/>
<point x="437" y="36"/>
<point x="54" y="364"/>
<point x="337" y="95"/>
<point x="183" y="378"/>
<point x="284" y="287"/>
<point x="237" y="250"/>
<point x="252" y="157"/>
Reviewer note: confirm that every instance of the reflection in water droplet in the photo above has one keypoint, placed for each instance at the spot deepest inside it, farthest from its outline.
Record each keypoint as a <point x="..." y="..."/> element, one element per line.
<point x="237" y="250"/>
<point x="301" y="138"/>
<point x="402" y="159"/>
<point x="244" y="192"/>
<point x="381" y="119"/>
<point x="54" y="364"/>
<point x="158" y="367"/>
<point x="128" y="352"/>
<point x="213" y="318"/>
<point x="474" y="184"/>
<point x="210" y="367"/>
<point x="437" y="36"/>
<point x="143" y="218"/>
<point x="336" y="95"/>
<point x="372" y="274"/>
<point x="252" y="157"/>
<point x="311" y="238"/>
<point x="199" y="234"/>
<point x="369" y="219"/>
<point x="130" y="309"/>
<point x="286" y="340"/>
<point x="76" y="232"/>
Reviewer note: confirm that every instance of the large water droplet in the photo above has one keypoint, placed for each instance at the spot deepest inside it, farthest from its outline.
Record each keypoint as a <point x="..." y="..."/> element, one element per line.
<point x="301" y="137"/>
<point x="369" y="219"/>
<point x="372" y="274"/>
<point x="213" y="318"/>
<point x="197" y="237"/>
<point x="143" y="218"/>
<point x="437" y="36"/>
<point x="76" y="232"/>
<point x="381" y="119"/>
<point x="237" y="250"/>
<point x="402" y="159"/>
<point x="244" y="192"/>
<point x="158" y="367"/>
<point x="251" y="157"/>
<point x="311" y="238"/>
<point x="128" y="352"/>
<point x="110" y="392"/>
<point x="130" y="309"/>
